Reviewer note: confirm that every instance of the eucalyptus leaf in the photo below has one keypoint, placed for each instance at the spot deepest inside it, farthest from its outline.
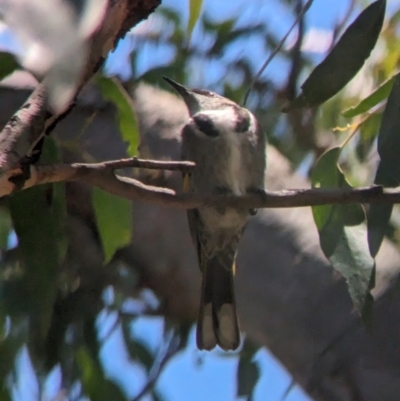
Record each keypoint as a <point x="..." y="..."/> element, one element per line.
<point x="94" y="382"/>
<point x="114" y="221"/>
<point x="113" y="91"/>
<point x="138" y="351"/>
<point x="92" y="378"/>
<point x="38" y="216"/>
<point x="5" y="228"/>
<point x="388" y="172"/>
<point x="194" y="14"/>
<point x="248" y="374"/>
<point x="345" y="59"/>
<point x="373" y="99"/>
<point x="248" y="371"/>
<point x="8" y="64"/>
<point x="342" y="232"/>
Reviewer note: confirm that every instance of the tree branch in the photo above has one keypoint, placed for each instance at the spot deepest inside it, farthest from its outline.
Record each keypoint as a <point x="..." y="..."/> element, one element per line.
<point x="20" y="140"/>
<point x="183" y="166"/>
<point x="102" y="175"/>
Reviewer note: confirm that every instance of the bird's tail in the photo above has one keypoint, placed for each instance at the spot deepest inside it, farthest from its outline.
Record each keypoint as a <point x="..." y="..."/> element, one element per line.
<point x="217" y="322"/>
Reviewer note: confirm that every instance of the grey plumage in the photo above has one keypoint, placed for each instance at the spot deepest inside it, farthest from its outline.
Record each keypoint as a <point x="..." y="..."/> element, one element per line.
<point x="228" y="146"/>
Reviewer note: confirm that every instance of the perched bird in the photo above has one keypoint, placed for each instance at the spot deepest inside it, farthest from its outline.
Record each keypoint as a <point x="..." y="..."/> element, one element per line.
<point x="228" y="146"/>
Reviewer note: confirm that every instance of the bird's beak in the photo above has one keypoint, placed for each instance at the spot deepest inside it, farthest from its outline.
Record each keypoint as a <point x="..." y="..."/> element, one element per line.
<point x="182" y="90"/>
<point x="189" y="97"/>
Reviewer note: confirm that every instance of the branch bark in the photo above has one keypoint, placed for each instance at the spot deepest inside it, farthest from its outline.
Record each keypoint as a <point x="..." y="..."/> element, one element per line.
<point x="102" y="175"/>
<point x="20" y="140"/>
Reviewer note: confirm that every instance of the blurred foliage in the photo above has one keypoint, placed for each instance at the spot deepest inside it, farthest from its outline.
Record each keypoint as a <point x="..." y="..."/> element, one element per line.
<point x="113" y="91"/>
<point x="114" y="221"/>
<point x="8" y="64"/>
<point x="345" y="59"/>
<point x="43" y="307"/>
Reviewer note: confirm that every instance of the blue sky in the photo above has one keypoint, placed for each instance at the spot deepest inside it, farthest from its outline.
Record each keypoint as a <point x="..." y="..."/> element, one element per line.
<point x="196" y="375"/>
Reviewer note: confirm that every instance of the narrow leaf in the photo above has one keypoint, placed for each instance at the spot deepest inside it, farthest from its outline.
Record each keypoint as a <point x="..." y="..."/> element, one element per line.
<point x="342" y="232"/>
<point x="194" y="14"/>
<point x="248" y="371"/>
<point x="248" y="374"/>
<point x="113" y="91"/>
<point x="92" y="377"/>
<point x="8" y="64"/>
<point x="137" y="350"/>
<point x="373" y="99"/>
<point x="114" y="221"/>
<point x="5" y="228"/>
<point x="388" y="173"/>
<point x="94" y="382"/>
<point x="345" y="59"/>
<point x="368" y="129"/>
<point x="38" y="215"/>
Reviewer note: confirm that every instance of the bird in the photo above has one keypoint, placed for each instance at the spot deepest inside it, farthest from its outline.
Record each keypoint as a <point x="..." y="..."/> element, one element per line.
<point x="227" y="145"/>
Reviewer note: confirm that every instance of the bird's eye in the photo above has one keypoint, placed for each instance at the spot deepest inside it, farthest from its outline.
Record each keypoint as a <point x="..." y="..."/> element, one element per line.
<point x="242" y="120"/>
<point x="205" y="125"/>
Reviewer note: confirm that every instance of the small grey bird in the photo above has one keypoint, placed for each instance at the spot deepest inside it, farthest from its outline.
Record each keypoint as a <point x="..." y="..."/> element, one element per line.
<point x="228" y="146"/>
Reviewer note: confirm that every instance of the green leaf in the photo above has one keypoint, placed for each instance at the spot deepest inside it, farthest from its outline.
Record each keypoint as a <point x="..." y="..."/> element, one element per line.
<point x="94" y="383"/>
<point x="8" y="64"/>
<point x="248" y="374"/>
<point x="342" y="232"/>
<point x="5" y="228"/>
<point x="368" y="129"/>
<point x="5" y="394"/>
<point x="90" y="338"/>
<point x="114" y="392"/>
<point x="388" y="173"/>
<point x="194" y="13"/>
<point x="113" y="91"/>
<point x="8" y="351"/>
<point x="373" y="99"/>
<point x="114" y="221"/>
<point x="137" y="350"/>
<point x="225" y="39"/>
<point x="38" y="216"/>
<point x="92" y="378"/>
<point x="345" y="59"/>
<point x="156" y="395"/>
<point x="248" y="371"/>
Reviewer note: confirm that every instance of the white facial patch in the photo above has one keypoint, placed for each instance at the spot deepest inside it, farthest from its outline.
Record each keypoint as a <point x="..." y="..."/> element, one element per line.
<point x="221" y="126"/>
<point x="234" y="172"/>
<point x="224" y="120"/>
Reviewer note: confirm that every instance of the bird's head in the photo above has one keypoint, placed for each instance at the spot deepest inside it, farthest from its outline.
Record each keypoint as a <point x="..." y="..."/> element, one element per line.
<point x="212" y="113"/>
<point x="199" y="100"/>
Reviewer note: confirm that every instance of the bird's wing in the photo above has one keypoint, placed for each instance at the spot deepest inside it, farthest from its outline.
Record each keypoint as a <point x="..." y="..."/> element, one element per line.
<point x="193" y="218"/>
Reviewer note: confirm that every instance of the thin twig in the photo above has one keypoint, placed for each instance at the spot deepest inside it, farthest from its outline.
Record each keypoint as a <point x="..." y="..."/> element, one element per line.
<point x="183" y="166"/>
<point x="175" y="345"/>
<point x="276" y="50"/>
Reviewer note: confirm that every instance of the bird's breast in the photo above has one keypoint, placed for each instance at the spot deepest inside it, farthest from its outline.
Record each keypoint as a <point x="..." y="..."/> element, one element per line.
<point x="235" y="178"/>
<point x="217" y="220"/>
